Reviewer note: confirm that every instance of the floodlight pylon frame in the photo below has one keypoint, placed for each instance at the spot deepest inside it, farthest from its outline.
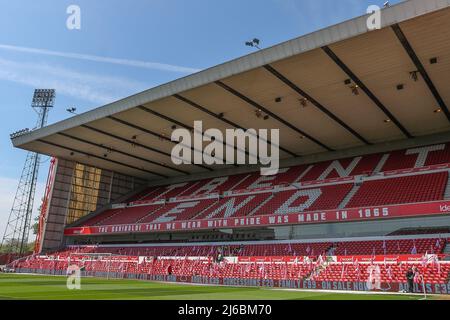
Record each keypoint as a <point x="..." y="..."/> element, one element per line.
<point x="17" y="230"/>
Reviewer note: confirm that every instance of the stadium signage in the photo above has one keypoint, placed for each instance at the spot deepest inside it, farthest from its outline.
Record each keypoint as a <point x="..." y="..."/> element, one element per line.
<point x="341" y="259"/>
<point x="330" y="216"/>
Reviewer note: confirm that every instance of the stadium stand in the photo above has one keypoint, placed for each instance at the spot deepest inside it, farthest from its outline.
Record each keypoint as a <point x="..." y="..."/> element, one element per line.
<point x="158" y="259"/>
<point x="370" y="180"/>
<point x="315" y="187"/>
<point x="292" y="190"/>
<point x="364" y="165"/>
<point x="363" y="189"/>
<point x="408" y="189"/>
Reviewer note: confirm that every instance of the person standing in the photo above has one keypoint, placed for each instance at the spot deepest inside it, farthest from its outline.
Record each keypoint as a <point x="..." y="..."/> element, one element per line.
<point x="410" y="278"/>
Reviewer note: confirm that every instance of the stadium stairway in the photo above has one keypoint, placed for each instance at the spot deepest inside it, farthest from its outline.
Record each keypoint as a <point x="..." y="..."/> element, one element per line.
<point x="149" y="214"/>
<point x="205" y="210"/>
<point x="349" y="196"/>
<point x="261" y="205"/>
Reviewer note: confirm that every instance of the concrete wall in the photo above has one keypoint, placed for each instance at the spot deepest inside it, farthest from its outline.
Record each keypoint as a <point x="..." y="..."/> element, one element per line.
<point x="112" y="186"/>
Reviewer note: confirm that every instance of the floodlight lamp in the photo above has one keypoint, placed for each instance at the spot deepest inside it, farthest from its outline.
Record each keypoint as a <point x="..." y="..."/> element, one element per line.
<point x="43" y="98"/>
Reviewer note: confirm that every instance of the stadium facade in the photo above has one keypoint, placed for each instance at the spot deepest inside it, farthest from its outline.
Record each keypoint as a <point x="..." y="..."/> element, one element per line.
<point x="364" y="146"/>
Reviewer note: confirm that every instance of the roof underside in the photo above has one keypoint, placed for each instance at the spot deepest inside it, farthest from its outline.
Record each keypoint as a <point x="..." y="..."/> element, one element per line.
<point x="314" y="67"/>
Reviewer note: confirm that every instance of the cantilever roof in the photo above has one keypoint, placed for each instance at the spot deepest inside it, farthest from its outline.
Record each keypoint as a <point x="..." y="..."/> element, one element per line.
<point x="389" y="105"/>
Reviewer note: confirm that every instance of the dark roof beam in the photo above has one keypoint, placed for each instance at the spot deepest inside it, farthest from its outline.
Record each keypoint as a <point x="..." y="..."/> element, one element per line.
<point x="318" y="105"/>
<point x="423" y="72"/>
<point x="134" y="143"/>
<point x="101" y="158"/>
<point x="223" y="119"/>
<point x="271" y="114"/>
<point x="366" y="90"/>
<point x="176" y="122"/>
<point x="121" y="152"/>
<point x="160" y="136"/>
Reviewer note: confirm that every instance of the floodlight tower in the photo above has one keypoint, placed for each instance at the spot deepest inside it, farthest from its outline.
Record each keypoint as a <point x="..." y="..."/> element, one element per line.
<point x="17" y="230"/>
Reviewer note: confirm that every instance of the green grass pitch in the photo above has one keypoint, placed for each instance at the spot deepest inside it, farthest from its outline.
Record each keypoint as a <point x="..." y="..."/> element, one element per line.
<point x="14" y="286"/>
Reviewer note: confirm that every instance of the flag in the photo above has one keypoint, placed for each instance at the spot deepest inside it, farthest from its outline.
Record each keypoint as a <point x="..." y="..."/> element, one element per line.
<point x="438" y="265"/>
<point x="389" y="272"/>
<point x="344" y="271"/>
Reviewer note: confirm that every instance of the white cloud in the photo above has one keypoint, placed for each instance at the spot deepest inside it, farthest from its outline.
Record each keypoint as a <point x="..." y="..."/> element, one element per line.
<point x="123" y="62"/>
<point x="7" y="192"/>
<point x="89" y="87"/>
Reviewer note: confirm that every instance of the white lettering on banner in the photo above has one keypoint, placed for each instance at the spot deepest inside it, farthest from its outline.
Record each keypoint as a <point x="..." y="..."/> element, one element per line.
<point x="217" y="223"/>
<point x="247" y="221"/>
<point x="373" y="212"/>
<point x="171" y="226"/>
<point x="278" y="219"/>
<point x="153" y="227"/>
<point x="126" y="228"/>
<point x="191" y="225"/>
<point x="422" y="153"/>
<point x="312" y="217"/>
<point x="337" y="166"/>
<point x="230" y="207"/>
<point x="312" y="194"/>
<point x="341" y="215"/>
<point x="171" y="214"/>
<point x="103" y="230"/>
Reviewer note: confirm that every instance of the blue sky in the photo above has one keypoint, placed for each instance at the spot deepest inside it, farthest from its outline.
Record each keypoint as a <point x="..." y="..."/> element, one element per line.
<point x="170" y="37"/>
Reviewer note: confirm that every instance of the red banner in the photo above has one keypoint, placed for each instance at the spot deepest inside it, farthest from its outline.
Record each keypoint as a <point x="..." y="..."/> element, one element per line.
<point x="388" y="258"/>
<point x="416" y="170"/>
<point x="326" y="181"/>
<point x="245" y="191"/>
<point x="146" y="202"/>
<point x="341" y="259"/>
<point x="329" y="216"/>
